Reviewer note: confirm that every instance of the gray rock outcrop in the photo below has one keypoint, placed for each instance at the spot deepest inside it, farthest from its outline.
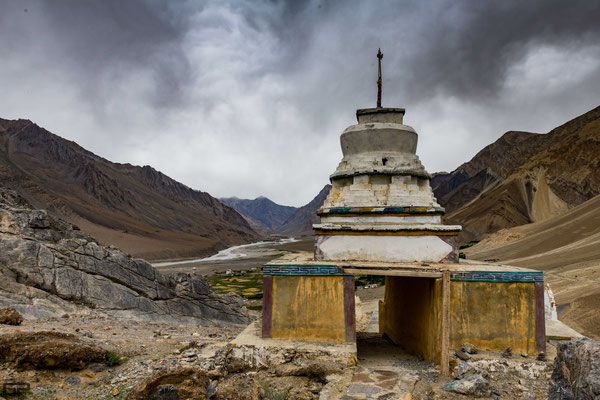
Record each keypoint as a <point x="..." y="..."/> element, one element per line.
<point x="576" y="372"/>
<point x="49" y="267"/>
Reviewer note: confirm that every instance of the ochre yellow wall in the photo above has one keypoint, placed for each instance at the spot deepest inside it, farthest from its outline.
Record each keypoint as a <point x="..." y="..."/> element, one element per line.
<point x="308" y="308"/>
<point x="490" y="315"/>
<point x="410" y="315"/>
<point x="493" y="315"/>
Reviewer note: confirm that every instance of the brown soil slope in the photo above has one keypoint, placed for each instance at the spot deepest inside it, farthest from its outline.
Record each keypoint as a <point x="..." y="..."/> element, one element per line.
<point x="567" y="249"/>
<point x="139" y="209"/>
<point x="523" y="178"/>
<point x="488" y="167"/>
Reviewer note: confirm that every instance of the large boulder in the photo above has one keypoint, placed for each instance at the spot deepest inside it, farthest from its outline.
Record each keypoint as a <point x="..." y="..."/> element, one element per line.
<point x="48" y="350"/>
<point x="576" y="372"/>
<point x="181" y="383"/>
<point x="49" y="267"/>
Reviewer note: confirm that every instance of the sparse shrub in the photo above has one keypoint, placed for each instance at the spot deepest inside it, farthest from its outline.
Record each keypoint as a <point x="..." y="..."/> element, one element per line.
<point x="462" y="255"/>
<point x="271" y="394"/>
<point x="471" y="243"/>
<point x="113" y="359"/>
<point x="365" y="280"/>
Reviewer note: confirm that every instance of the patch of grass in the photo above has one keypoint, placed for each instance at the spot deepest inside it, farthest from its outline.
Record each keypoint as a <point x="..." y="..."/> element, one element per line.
<point x="364" y="280"/>
<point x="466" y="246"/>
<point x="248" y="286"/>
<point x="271" y="394"/>
<point x="20" y="395"/>
<point x="113" y="359"/>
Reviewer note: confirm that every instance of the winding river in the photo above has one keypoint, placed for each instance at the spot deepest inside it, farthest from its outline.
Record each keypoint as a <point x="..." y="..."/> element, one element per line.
<point x="240" y="252"/>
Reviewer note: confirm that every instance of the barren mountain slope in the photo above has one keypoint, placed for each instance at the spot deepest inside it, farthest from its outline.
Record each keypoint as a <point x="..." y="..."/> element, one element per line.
<point x="542" y="176"/>
<point x="455" y="189"/>
<point x="300" y="223"/>
<point x="141" y="210"/>
<point x="517" y="200"/>
<point x="567" y="249"/>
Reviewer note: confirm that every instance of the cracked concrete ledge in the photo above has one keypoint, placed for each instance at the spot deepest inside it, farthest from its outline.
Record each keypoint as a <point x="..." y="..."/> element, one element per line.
<point x="258" y="352"/>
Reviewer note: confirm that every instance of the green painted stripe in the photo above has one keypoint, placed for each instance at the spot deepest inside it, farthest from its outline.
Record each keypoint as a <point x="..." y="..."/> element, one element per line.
<point x="490" y="280"/>
<point x="506" y="272"/>
<point x="301" y="265"/>
<point x="276" y="274"/>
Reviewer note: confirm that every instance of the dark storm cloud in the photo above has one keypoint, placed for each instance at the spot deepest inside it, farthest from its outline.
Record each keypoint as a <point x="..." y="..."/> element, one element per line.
<point x="468" y="46"/>
<point x="101" y="42"/>
<point x="248" y="98"/>
<point x="464" y="48"/>
<point x="460" y="47"/>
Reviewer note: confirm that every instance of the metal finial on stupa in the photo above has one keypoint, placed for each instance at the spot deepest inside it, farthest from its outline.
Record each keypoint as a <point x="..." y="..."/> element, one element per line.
<point x="379" y="56"/>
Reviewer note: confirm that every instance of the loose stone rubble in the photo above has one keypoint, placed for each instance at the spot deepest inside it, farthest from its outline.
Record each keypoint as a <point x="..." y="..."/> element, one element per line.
<point x="473" y="385"/>
<point x="151" y="350"/>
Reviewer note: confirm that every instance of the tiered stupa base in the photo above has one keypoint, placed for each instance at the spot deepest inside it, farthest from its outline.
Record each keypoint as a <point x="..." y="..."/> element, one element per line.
<point x="491" y="306"/>
<point x="385" y="234"/>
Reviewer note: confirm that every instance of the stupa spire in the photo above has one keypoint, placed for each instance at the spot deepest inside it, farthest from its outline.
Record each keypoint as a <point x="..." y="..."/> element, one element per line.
<point x="379" y="56"/>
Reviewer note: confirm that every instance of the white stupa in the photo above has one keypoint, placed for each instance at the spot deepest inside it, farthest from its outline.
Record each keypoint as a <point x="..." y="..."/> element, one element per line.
<point x="381" y="206"/>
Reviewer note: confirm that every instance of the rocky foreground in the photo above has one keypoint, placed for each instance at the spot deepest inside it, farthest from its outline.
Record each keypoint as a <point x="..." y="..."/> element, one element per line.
<point x="98" y="357"/>
<point x="48" y="267"/>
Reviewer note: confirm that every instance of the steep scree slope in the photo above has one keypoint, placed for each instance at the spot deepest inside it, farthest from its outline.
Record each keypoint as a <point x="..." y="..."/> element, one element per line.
<point x="524" y="177"/>
<point x="142" y="210"/>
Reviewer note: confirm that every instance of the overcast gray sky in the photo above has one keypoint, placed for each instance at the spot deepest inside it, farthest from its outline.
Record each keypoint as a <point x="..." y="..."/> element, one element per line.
<point x="248" y="98"/>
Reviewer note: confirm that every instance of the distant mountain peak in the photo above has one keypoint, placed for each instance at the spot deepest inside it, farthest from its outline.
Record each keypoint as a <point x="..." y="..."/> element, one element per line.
<point x="262" y="213"/>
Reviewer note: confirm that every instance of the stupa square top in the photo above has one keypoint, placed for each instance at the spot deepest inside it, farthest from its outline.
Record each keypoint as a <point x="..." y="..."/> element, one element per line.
<point x="381" y="206"/>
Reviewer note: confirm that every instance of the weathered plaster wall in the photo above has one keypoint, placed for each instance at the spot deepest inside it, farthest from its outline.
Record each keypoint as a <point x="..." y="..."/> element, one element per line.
<point x="396" y="248"/>
<point x="309" y="308"/>
<point x="490" y="315"/>
<point x="493" y="315"/>
<point x="410" y="314"/>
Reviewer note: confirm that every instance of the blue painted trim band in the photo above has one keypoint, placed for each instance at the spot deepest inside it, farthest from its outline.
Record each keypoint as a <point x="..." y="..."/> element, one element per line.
<point x="382" y="210"/>
<point x="312" y="270"/>
<point x="497" y="276"/>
